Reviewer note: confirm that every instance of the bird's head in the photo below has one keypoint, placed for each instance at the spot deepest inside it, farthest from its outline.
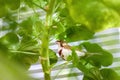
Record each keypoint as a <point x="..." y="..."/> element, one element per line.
<point x="61" y="43"/>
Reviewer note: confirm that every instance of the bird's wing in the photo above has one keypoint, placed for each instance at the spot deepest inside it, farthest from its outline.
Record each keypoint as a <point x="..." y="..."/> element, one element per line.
<point x="67" y="47"/>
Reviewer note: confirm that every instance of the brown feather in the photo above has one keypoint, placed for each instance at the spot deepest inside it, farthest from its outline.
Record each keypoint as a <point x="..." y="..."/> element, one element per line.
<point x="67" y="47"/>
<point x="60" y="52"/>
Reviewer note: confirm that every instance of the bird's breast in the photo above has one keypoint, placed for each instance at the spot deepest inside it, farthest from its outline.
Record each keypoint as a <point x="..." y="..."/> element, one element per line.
<point x="65" y="53"/>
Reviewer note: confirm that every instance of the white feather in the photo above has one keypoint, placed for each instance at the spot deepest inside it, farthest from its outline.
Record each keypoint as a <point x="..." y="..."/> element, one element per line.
<point x="79" y="53"/>
<point x="66" y="53"/>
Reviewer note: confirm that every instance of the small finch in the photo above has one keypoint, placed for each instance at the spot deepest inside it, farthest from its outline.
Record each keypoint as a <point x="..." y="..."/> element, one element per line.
<point x="64" y="50"/>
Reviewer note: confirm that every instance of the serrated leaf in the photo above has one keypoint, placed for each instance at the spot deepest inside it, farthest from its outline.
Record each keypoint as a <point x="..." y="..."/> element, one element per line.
<point x="109" y="74"/>
<point x="93" y="13"/>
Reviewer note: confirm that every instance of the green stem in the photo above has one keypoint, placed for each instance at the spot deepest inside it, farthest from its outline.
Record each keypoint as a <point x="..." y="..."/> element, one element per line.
<point x="45" y="56"/>
<point x="50" y="12"/>
<point x="45" y="42"/>
<point x="47" y="76"/>
<point x="37" y="5"/>
<point x="24" y="52"/>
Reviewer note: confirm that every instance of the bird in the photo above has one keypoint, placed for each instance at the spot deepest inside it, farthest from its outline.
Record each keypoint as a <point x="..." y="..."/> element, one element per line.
<point x="64" y="50"/>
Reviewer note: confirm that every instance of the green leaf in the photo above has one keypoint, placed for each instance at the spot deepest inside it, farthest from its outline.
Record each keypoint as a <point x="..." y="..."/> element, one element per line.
<point x="28" y="44"/>
<point x="29" y="3"/>
<point x="24" y="60"/>
<point x="82" y="67"/>
<point x="96" y="55"/>
<point x="36" y="3"/>
<point x="76" y="33"/>
<point x="26" y="27"/>
<point x="56" y="29"/>
<point x="115" y="4"/>
<point x="61" y="36"/>
<point x="87" y="78"/>
<point x="9" y="24"/>
<point x="11" y="71"/>
<point x="93" y="74"/>
<point x="52" y="57"/>
<point x="78" y="62"/>
<point x="3" y="50"/>
<point x="109" y="74"/>
<point x="3" y="9"/>
<point x="13" y="4"/>
<point x="10" y="39"/>
<point x="93" y="13"/>
<point x="91" y="47"/>
<point x="64" y="12"/>
<point x="75" y="59"/>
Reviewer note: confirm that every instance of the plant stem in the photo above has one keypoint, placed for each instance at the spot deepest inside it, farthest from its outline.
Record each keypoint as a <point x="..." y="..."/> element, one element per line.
<point x="45" y="42"/>
<point x="25" y="52"/>
<point x="45" y="57"/>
